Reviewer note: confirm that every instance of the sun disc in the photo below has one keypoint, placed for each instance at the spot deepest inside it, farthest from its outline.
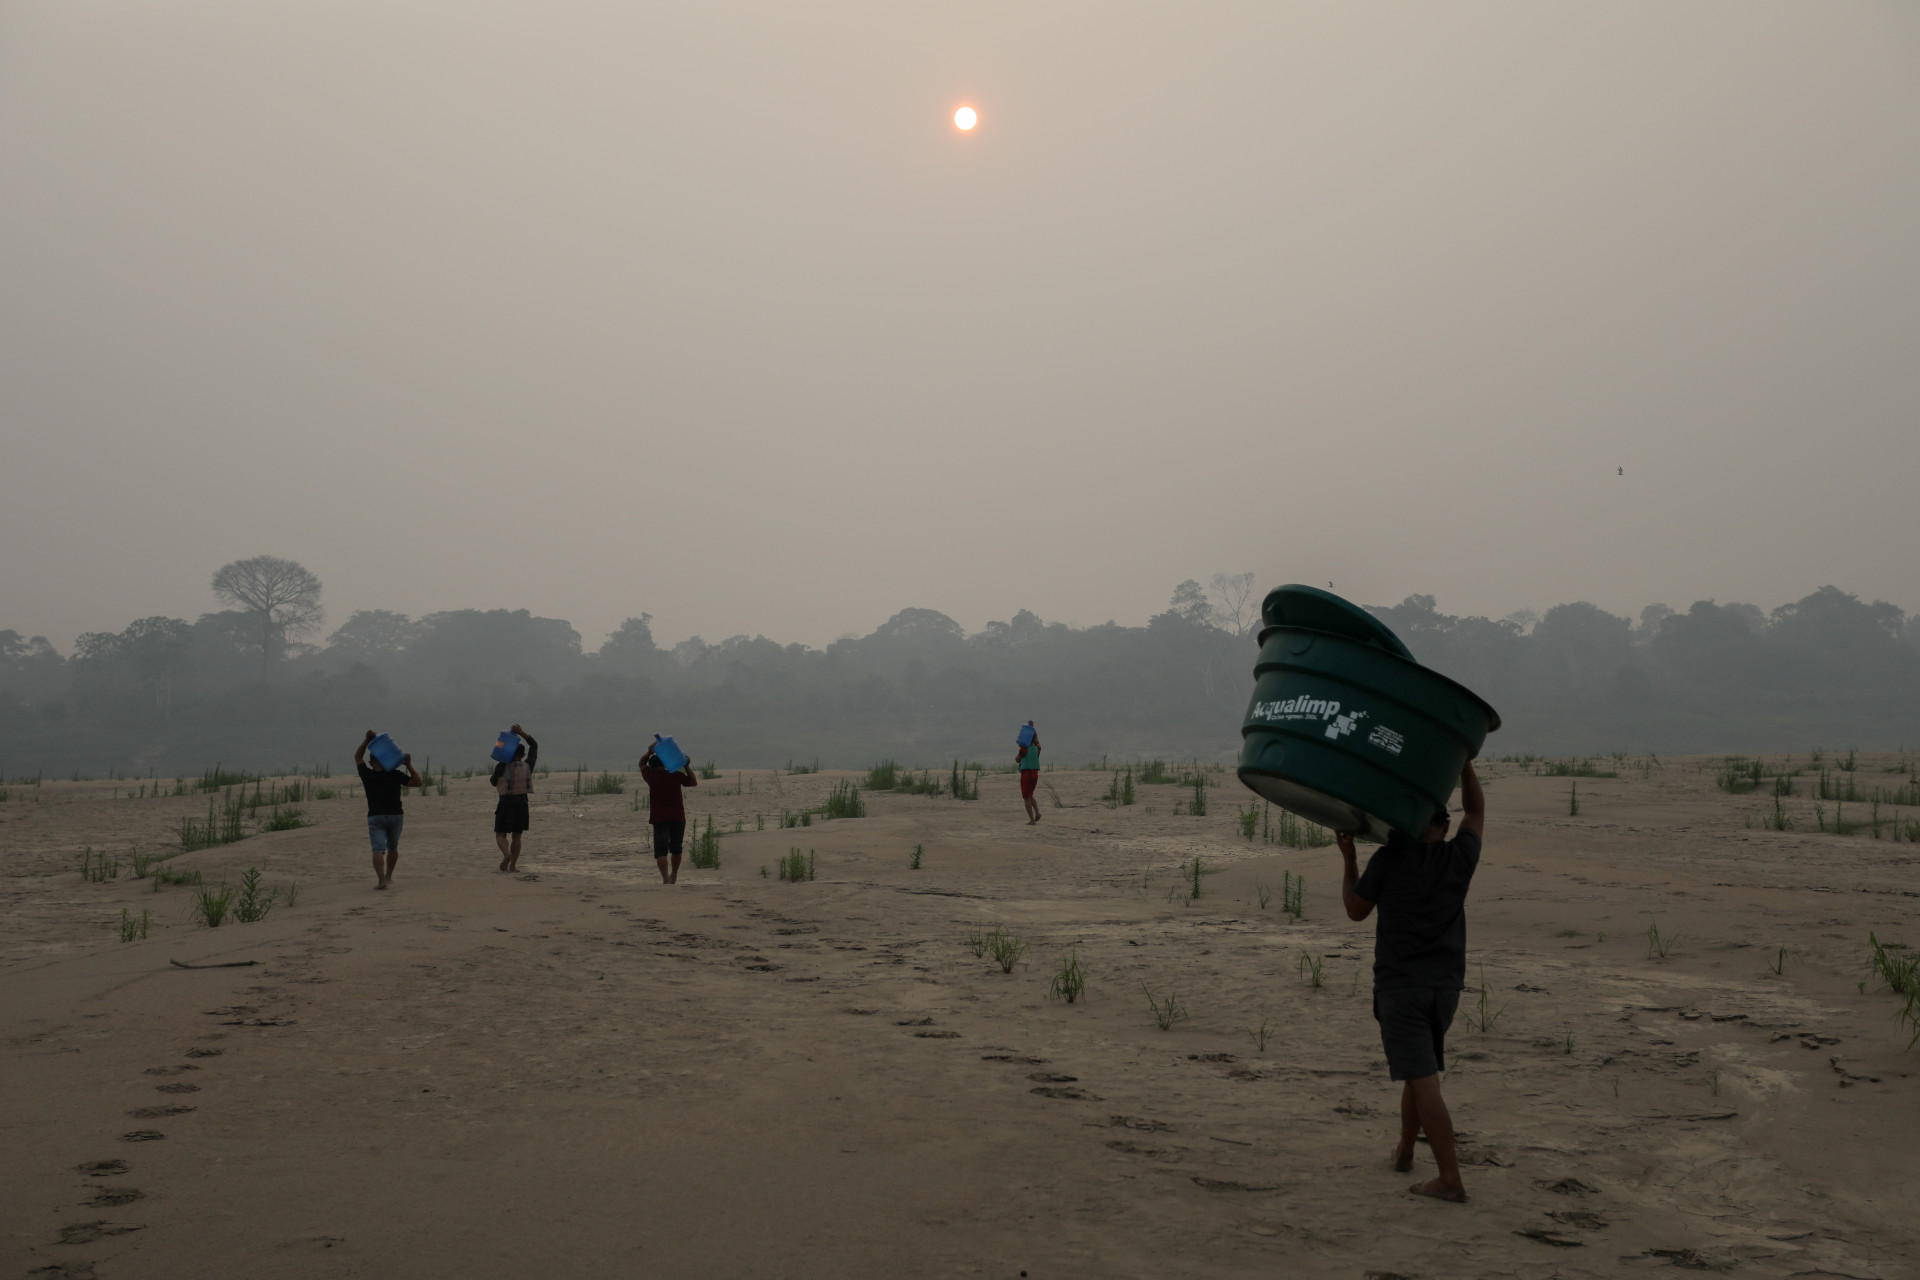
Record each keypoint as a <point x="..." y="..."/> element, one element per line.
<point x="965" y="118"/>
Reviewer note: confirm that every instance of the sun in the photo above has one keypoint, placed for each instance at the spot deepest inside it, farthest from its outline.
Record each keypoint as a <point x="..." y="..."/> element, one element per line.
<point x="965" y="118"/>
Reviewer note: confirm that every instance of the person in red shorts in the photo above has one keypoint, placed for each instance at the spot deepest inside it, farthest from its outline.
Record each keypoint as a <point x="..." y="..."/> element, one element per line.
<point x="1028" y="758"/>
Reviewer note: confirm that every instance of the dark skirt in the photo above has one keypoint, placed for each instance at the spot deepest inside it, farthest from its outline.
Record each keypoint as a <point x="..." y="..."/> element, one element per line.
<point x="510" y="815"/>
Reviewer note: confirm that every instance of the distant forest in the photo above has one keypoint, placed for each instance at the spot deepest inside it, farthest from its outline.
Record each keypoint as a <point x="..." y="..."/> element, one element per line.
<point x="247" y="688"/>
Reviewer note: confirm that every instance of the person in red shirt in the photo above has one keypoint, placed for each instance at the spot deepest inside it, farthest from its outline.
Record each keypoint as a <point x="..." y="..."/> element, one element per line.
<point x="667" y="811"/>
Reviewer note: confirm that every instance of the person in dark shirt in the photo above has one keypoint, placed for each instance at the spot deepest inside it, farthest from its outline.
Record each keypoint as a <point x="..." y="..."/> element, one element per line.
<point x="513" y="779"/>
<point x="1420" y="966"/>
<point x="384" y="787"/>
<point x="667" y="810"/>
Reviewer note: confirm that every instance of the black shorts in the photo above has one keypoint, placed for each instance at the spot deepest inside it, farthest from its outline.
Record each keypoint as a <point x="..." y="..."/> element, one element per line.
<point x="1413" y="1028"/>
<point x="510" y="815"/>
<point x="668" y="836"/>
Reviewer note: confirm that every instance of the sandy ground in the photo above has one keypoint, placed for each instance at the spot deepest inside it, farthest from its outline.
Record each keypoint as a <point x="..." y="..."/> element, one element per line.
<point x="582" y="1072"/>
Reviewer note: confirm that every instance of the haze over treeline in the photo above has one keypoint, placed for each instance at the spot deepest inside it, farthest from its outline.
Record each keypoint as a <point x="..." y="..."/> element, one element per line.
<point x="263" y="684"/>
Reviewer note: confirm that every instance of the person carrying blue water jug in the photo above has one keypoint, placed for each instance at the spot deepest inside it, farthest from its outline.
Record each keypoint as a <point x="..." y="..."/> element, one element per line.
<point x="384" y="784"/>
<point x="667" y="810"/>
<point x="512" y="780"/>
<point x="1027" y="757"/>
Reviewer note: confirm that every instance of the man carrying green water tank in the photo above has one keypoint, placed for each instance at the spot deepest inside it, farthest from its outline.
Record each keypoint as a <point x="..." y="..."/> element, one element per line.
<point x="383" y="787"/>
<point x="1420" y="967"/>
<point x="1027" y="757"/>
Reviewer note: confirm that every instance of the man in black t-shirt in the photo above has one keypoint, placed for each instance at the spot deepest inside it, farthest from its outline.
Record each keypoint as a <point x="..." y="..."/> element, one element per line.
<point x="384" y="787"/>
<point x="1419" y="966"/>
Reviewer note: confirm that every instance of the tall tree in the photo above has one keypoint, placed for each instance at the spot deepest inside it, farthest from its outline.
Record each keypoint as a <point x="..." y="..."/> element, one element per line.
<point x="281" y="596"/>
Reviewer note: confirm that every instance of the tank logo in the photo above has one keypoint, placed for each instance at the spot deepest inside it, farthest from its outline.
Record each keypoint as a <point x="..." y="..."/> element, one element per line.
<point x="1339" y="723"/>
<point x="1386" y="739"/>
<point x="1343" y="725"/>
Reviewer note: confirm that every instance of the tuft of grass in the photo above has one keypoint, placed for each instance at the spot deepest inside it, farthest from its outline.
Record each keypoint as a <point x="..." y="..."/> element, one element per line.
<point x="960" y="786"/>
<point x="1005" y="948"/>
<point x="913" y="859"/>
<point x="219" y="828"/>
<point x="1659" y="944"/>
<point x="1166" y="1011"/>
<point x="174" y="875"/>
<point x="795" y="867"/>
<point x="1265" y="893"/>
<point x="325" y="793"/>
<point x="1573" y="801"/>
<point x="251" y="904"/>
<point x="1575" y="769"/>
<point x="1293" y="895"/>
<point x="95" y="870"/>
<point x="1310" y="967"/>
<point x="1261" y="1034"/>
<point x="293" y="893"/>
<point x="1249" y="820"/>
<point x="705" y="854"/>
<point x="1154" y="772"/>
<point x="134" y="928"/>
<point x="883" y="776"/>
<point x="607" y="784"/>
<point x="709" y="771"/>
<point x="844" y="802"/>
<point x="976" y="943"/>
<point x="1198" y="805"/>
<point x="1482" y="1017"/>
<point x="1071" y="982"/>
<point x="1778" y="964"/>
<point x="210" y="905"/>
<point x="1898" y="969"/>
<point x="285" y="820"/>
<point x="139" y="864"/>
<point x="1191" y="874"/>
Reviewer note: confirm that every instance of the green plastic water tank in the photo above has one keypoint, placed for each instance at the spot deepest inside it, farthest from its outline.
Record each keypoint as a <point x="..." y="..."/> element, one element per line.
<point x="1345" y="728"/>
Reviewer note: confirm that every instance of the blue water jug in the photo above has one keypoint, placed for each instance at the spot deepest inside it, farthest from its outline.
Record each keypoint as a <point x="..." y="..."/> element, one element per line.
<point x="386" y="751"/>
<point x="669" y="754"/>
<point x="505" y="745"/>
<point x="1026" y="735"/>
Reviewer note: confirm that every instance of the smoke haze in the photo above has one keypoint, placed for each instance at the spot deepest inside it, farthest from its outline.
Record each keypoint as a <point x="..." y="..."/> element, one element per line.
<point x="706" y="311"/>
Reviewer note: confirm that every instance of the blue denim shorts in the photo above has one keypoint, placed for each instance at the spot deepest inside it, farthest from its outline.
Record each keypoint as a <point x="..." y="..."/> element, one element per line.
<point x="384" y="830"/>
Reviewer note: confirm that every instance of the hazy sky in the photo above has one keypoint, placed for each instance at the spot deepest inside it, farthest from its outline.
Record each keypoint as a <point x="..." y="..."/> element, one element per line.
<point x="707" y="310"/>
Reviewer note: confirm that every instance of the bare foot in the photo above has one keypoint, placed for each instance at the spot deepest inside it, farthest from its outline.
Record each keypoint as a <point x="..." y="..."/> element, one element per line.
<point x="503" y="864"/>
<point x="1403" y="1159"/>
<point x="381" y="885"/>
<point x="1440" y="1191"/>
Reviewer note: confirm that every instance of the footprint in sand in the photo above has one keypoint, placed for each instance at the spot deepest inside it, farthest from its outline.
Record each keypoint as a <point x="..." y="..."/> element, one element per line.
<point x="1063" y="1092"/>
<point x="177" y="1088"/>
<point x="142" y="1135"/>
<point x="86" y="1232"/>
<point x="101" y="1168"/>
<point x="156" y="1113"/>
<point x="113" y="1197"/>
<point x="1052" y="1077"/>
<point x="170" y="1071"/>
<point x="205" y="1053"/>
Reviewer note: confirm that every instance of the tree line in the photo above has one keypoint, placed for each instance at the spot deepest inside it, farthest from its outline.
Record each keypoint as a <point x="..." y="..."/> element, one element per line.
<point x="260" y="684"/>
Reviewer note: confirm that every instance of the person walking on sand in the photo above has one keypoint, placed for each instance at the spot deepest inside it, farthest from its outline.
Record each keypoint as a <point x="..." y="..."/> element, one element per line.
<point x="1420" y="967"/>
<point x="384" y="815"/>
<point x="1028" y="760"/>
<point x="512" y="779"/>
<point x="667" y="811"/>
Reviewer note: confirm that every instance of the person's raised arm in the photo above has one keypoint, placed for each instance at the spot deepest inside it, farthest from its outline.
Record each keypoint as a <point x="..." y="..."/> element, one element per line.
<point x="1358" y="908"/>
<point x="413" y="775"/>
<point x="533" y="747"/>
<point x="692" y="778"/>
<point x="1473" y="800"/>
<point x="360" y="752"/>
